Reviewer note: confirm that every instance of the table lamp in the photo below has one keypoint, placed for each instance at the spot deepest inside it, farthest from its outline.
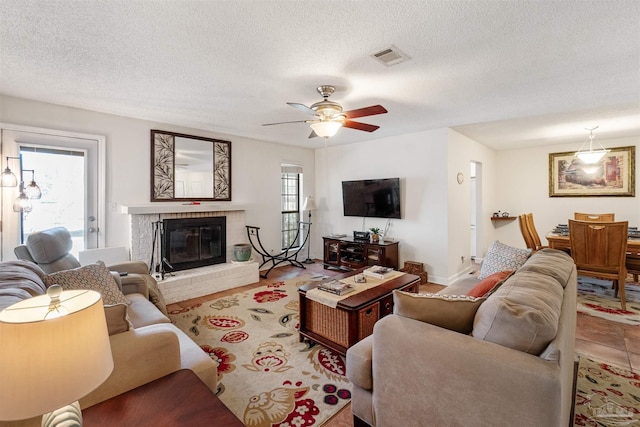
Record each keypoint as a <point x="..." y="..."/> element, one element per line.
<point x="309" y="205"/>
<point x="55" y="350"/>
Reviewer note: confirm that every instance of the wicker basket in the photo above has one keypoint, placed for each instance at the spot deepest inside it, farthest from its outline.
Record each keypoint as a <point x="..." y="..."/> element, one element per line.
<point x="328" y="322"/>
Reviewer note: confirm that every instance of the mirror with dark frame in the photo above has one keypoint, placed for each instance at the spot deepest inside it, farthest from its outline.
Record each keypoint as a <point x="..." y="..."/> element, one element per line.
<point x="189" y="168"/>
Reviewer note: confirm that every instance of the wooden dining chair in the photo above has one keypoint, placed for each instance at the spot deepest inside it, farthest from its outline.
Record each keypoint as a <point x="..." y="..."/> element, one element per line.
<point x="599" y="250"/>
<point x="605" y="217"/>
<point x="526" y="235"/>
<point x="533" y="232"/>
<point x="633" y="265"/>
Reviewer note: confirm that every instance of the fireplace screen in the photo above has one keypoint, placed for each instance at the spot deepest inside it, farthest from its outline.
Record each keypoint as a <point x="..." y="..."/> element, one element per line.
<point x="194" y="242"/>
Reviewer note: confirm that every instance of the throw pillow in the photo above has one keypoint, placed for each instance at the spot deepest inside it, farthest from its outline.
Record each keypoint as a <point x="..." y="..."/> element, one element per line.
<point x="117" y="318"/>
<point x="487" y="285"/>
<point x="96" y="277"/>
<point x="453" y="312"/>
<point x="501" y="257"/>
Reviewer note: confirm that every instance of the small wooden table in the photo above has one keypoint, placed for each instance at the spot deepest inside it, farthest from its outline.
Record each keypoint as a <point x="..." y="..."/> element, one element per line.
<point x="177" y="399"/>
<point x="353" y="319"/>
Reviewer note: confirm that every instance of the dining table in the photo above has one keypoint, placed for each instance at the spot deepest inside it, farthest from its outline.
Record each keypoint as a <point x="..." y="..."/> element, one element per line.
<point x="562" y="241"/>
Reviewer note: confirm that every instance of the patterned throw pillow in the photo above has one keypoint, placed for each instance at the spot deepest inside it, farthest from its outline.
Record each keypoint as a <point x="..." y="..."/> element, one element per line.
<point x="501" y="257"/>
<point x="96" y="277"/>
<point x="453" y="312"/>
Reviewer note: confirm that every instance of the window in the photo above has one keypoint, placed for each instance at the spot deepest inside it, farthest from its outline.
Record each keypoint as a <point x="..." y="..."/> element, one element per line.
<point x="290" y="204"/>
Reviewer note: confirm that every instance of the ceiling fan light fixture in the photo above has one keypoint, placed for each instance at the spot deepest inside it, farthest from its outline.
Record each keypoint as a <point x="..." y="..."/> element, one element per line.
<point x="326" y="129"/>
<point x="591" y="156"/>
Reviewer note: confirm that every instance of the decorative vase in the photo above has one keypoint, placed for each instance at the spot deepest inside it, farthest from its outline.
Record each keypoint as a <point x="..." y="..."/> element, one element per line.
<point x="241" y="252"/>
<point x="375" y="238"/>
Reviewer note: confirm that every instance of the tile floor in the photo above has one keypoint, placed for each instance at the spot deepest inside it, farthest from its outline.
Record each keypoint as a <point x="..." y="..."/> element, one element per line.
<point x="600" y="339"/>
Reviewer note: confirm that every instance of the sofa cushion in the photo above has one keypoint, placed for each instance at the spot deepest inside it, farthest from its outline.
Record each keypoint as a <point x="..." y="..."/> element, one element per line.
<point x="551" y="262"/>
<point x="142" y="312"/>
<point x="96" y="277"/>
<point x="453" y="312"/>
<point x="522" y="314"/>
<point x="501" y="257"/>
<point x="117" y="319"/>
<point x="489" y="284"/>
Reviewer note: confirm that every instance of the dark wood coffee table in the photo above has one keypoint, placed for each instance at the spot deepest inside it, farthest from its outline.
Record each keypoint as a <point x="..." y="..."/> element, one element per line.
<point x="177" y="399"/>
<point x="353" y="319"/>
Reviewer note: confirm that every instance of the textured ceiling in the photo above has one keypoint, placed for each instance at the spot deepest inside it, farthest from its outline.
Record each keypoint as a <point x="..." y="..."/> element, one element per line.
<point x="505" y="73"/>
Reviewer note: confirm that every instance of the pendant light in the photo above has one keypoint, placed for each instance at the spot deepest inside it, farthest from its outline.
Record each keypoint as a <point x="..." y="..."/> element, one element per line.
<point x="591" y="156"/>
<point x="33" y="190"/>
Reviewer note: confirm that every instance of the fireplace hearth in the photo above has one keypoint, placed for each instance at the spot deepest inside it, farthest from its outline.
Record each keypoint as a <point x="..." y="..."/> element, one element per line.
<point x="194" y="242"/>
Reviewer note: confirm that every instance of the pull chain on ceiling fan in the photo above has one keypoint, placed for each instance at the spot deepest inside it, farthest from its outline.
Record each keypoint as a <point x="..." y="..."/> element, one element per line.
<point x="329" y="115"/>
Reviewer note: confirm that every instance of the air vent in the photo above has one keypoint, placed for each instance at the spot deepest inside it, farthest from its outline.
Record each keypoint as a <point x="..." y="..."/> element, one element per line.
<point x="391" y="56"/>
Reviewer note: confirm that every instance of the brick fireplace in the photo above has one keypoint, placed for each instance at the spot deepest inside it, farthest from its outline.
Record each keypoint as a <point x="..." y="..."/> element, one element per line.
<point x="195" y="282"/>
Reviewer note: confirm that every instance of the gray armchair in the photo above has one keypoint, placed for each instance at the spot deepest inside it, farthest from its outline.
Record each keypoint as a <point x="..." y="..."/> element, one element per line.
<point x="49" y="249"/>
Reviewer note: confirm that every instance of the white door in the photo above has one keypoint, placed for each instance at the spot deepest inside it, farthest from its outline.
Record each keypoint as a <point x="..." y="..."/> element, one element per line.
<point x="67" y="169"/>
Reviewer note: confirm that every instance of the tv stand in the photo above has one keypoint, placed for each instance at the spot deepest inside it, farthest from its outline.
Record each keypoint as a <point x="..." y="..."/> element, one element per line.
<point x="345" y="253"/>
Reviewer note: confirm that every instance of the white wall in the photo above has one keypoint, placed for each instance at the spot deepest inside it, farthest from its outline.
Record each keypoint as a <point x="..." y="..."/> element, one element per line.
<point x="435" y="226"/>
<point x="461" y="152"/>
<point x="523" y="186"/>
<point x="255" y="164"/>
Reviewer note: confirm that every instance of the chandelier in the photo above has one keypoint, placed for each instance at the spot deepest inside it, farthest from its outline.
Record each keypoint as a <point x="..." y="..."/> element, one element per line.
<point x="591" y="155"/>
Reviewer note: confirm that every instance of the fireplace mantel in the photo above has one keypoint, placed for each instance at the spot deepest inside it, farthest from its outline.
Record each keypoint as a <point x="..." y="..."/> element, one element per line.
<point x="160" y="208"/>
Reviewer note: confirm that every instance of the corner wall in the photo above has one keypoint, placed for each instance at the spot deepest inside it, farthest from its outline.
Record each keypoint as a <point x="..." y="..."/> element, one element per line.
<point x="435" y="224"/>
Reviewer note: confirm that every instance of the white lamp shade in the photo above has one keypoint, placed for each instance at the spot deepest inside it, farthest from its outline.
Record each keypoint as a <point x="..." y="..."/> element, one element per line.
<point x="47" y="364"/>
<point x="326" y="129"/>
<point x="309" y="204"/>
<point x="592" y="156"/>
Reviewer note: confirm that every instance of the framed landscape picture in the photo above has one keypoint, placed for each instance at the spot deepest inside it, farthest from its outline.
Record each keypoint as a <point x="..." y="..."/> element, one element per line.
<point x="613" y="175"/>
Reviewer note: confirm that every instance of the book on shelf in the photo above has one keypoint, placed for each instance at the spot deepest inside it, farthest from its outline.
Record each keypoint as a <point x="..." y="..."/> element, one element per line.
<point x="336" y="287"/>
<point x="378" y="272"/>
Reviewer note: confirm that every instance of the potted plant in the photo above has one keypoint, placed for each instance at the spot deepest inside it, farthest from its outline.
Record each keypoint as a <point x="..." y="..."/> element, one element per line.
<point x="375" y="234"/>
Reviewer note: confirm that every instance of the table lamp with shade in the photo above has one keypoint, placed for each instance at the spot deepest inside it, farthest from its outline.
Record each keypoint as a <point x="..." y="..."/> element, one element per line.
<point x="55" y="350"/>
<point x="309" y="205"/>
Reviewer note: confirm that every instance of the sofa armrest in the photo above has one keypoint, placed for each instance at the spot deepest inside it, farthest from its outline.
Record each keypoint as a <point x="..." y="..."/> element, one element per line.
<point x="459" y="380"/>
<point x="139" y="356"/>
<point x="134" y="284"/>
<point x="131" y="267"/>
<point x="360" y="362"/>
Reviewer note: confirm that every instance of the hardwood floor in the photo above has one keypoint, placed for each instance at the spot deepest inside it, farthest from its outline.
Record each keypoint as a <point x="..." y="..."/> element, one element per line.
<point x="600" y="339"/>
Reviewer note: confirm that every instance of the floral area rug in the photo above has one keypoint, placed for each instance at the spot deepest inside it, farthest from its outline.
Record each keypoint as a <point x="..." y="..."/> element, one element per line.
<point x="595" y="298"/>
<point x="266" y="376"/>
<point x="606" y="396"/>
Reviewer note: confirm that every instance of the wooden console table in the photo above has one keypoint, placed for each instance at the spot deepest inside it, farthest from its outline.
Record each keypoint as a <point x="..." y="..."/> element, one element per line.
<point x="177" y="399"/>
<point x="348" y="254"/>
<point x="353" y="319"/>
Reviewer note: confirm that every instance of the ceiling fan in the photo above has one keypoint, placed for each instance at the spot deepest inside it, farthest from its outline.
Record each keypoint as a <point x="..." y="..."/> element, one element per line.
<point x="329" y="115"/>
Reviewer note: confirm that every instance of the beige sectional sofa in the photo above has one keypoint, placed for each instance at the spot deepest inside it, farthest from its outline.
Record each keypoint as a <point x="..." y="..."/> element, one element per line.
<point x="516" y="367"/>
<point x="151" y="349"/>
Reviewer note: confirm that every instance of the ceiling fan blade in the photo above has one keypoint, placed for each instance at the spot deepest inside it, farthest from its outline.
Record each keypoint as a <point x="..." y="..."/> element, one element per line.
<point x="302" y="107"/>
<point x="360" y="126"/>
<point x="281" y="123"/>
<point x="366" y="111"/>
<point x="313" y="134"/>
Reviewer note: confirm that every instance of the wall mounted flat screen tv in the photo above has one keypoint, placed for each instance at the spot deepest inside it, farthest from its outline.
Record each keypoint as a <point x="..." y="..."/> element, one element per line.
<point x="374" y="198"/>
